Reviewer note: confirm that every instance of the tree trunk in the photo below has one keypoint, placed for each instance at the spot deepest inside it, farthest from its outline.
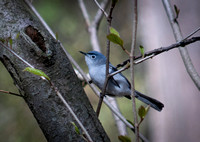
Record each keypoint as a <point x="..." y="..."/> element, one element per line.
<point x="41" y="50"/>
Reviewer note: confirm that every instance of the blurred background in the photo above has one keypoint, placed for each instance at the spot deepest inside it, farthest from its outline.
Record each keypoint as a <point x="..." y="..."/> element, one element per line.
<point x="164" y="77"/>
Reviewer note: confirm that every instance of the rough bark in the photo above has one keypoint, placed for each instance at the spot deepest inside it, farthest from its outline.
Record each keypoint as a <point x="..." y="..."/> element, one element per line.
<point x="38" y="47"/>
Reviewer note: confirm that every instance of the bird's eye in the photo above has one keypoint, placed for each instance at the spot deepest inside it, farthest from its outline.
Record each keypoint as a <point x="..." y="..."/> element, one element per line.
<point x="93" y="56"/>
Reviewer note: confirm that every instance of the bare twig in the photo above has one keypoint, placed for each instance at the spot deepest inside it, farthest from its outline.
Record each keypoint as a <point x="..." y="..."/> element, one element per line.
<point x="15" y="54"/>
<point x="11" y="93"/>
<point x="84" y="12"/>
<point x="183" y="51"/>
<point x="109" y="20"/>
<point x="118" y="71"/>
<point x="160" y="50"/>
<point x="99" y="14"/>
<point x="133" y="46"/>
<point x="192" y="33"/>
<point x="90" y="27"/>
<point x="104" y="12"/>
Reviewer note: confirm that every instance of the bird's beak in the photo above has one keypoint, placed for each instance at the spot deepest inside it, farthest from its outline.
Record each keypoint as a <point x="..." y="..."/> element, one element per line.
<point x="83" y="52"/>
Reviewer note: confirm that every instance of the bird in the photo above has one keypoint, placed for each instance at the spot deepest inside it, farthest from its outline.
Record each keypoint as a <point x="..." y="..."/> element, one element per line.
<point x="118" y="85"/>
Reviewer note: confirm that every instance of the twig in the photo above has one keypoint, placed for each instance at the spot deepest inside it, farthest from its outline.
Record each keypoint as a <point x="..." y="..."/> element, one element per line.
<point x="109" y="20"/>
<point x="183" y="51"/>
<point x="11" y="93"/>
<point x="195" y="31"/>
<point x="144" y="59"/>
<point x="99" y="14"/>
<point x="90" y="27"/>
<point x="118" y="71"/>
<point x="85" y="13"/>
<point x="104" y="12"/>
<point x="11" y="51"/>
<point x="133" y="46"/>
<point x="160" y="50"/>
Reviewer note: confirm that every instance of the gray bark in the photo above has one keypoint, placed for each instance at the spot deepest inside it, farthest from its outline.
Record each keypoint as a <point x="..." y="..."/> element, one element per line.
<point x="41" y="50"/>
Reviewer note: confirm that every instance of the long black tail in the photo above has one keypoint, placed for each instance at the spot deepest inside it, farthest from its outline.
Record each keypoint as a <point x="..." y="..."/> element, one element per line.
<point x="149" y="101"/>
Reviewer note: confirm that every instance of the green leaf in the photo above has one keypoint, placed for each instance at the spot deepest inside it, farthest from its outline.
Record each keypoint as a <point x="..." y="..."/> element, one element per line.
<point x="177" y="10"/>
<point x="142" y="50"/>
<point x="142" y="112"/>
<point x="17" y="36"/>
<point x="115" y="39"/>
<point x="36" y="72"/>
<point x="124" y="138"/>
<point x="10" y="41"/>
<point x="114" y="31"/>
<point x="147" y="109"/>
<point x="56" y="36"/>
<point x="76" y="128"/>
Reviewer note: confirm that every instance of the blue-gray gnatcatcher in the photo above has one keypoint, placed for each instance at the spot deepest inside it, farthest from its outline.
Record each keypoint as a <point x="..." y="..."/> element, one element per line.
<point x="117" y="85"/>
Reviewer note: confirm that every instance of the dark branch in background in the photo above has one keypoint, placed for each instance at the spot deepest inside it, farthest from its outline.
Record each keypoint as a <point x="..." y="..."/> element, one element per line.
<point x="160" y="50"/>
<point x="109" y="20"/>
<point x="183" y="51"/>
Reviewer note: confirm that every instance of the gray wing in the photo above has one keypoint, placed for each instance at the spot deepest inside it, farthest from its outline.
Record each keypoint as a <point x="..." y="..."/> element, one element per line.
<point x="114" y="69"/>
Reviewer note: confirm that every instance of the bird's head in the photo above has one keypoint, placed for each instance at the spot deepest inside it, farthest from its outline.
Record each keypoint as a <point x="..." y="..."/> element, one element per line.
<point x="94" y="58"/>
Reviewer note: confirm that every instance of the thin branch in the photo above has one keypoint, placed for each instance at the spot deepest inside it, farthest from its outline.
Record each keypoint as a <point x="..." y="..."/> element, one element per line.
<point x="99" y="14"/>
<point x="144" y="59"/>
<point x="119" y="71"/>
<point x="15" y="54"/>
<point x="90" y="27"/>
<point x="133" y="46"/>
<point x="183" y="51"/>
<point x="104" y="12"/>
<point x="11" y="93"/>
<point x="160" y="50"/>
<point x="192" y="33"/>
<point x="85" y="13"/>
<point x="109" y="20"/>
